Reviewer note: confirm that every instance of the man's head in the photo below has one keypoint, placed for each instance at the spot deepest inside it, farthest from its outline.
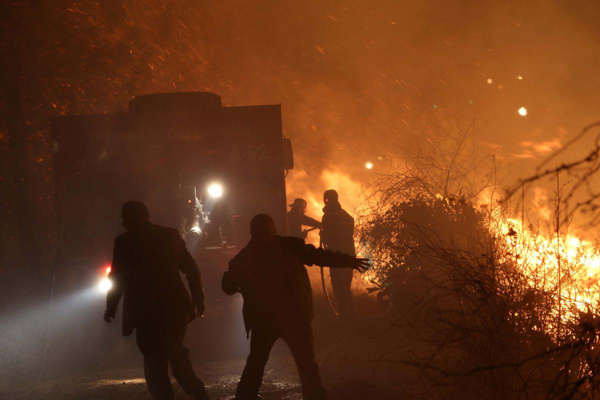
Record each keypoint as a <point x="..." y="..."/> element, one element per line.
<point x="262" y="227"/>
<point x="330" y="197"/>
<point x="300" y="205"/>
<point x="135" y="215"/>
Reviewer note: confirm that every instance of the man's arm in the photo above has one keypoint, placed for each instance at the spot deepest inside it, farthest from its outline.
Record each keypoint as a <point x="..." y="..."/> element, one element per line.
<point x="116" y="277"/>
<point x="233" y="278"/>
<point x="309" y="255"/>
<point x="308" y="221"/>
<point x="189" y="268"/>
<point x="229" y="284"/>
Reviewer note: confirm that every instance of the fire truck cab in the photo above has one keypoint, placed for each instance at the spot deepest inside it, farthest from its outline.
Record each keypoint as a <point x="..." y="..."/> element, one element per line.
<point x="201" y="167"/>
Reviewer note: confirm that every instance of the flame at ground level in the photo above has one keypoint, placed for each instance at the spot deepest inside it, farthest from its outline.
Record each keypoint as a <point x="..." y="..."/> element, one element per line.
<point x="563" y="264"/>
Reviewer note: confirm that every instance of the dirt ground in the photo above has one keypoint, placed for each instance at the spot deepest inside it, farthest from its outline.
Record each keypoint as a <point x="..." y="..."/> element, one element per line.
<point x="221" y="378"/>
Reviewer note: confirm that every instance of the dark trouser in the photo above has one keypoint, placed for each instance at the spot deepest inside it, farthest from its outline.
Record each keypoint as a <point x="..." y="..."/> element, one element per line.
<point x="300" y="341"/>
<point x="161" y="343"/>
<point x="341" y="280"/>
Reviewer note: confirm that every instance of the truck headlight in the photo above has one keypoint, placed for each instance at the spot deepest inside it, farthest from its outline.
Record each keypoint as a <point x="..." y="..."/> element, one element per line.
<point x="215" y="190"/>
<point x="105" y="284"/>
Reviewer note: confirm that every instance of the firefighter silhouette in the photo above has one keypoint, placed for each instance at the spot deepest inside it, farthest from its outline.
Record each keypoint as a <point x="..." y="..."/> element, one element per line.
<point x="297" y="218"/>
<point x="337" y="234"/>
<point x="270" y="274"/>
<point x="147" y="260"/>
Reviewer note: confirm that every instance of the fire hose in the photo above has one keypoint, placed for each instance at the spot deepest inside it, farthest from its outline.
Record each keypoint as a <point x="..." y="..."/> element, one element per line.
<point x="331" y="307"/>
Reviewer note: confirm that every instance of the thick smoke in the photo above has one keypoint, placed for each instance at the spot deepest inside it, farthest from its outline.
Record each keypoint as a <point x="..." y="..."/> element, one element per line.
<point x="360" y="80"/>
<point x="357" y="80"/>
<point x="363" y="81"/>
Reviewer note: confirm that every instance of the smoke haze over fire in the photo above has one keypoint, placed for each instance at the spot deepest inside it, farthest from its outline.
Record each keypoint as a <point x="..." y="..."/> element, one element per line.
<point x="357" y="80"/>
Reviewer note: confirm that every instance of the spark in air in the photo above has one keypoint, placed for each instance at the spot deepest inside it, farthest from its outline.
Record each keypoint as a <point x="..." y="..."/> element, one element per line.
<point x="522" y="111"/>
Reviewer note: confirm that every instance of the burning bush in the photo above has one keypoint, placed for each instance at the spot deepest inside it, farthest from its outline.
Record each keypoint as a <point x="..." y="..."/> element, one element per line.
<point x="468" y="318"/>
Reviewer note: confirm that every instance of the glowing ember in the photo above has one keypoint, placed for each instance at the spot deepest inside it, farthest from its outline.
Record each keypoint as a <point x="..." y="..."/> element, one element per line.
<point x="520" y="77"/>
<point x="490" y="81"/>
<point x="369" y="165"/>
<point x="522" y="111"/>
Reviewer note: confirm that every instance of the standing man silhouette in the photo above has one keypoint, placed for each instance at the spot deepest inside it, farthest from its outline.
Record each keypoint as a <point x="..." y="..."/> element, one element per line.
<point x="338" y="235"/>
<point x="297" y="218"/>
<point x="147" y="260"/>
<point x="270" y="274"/>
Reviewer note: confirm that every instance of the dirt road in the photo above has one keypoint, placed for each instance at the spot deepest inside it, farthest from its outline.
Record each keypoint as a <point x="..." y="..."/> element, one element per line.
<point x="221" y="378"/>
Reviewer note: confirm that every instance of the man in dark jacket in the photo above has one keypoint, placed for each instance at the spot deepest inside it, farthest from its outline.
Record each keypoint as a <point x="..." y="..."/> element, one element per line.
<point x="270" y="274"/>
<point x="338" y="235"/>
<point x="147" y="260"/>
<point x="297" y="218"/>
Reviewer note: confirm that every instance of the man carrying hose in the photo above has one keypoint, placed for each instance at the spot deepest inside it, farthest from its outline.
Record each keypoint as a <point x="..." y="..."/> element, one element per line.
<point x="270" y="274"/>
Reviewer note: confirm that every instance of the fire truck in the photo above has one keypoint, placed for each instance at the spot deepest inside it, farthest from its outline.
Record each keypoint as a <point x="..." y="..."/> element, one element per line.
<point x="199" y="166"/>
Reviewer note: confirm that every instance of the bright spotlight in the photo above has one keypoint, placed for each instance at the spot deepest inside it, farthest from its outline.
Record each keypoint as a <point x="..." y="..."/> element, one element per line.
<point x="369" y="165"/>
<point x="215" y="190"/>
<point x="196" y="229"/>
<point x="522" y="111"/>
<point x="105" y="285"/>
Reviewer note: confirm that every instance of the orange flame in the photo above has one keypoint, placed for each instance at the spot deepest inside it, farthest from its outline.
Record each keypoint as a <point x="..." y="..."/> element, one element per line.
<point x="565" y="264"/>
